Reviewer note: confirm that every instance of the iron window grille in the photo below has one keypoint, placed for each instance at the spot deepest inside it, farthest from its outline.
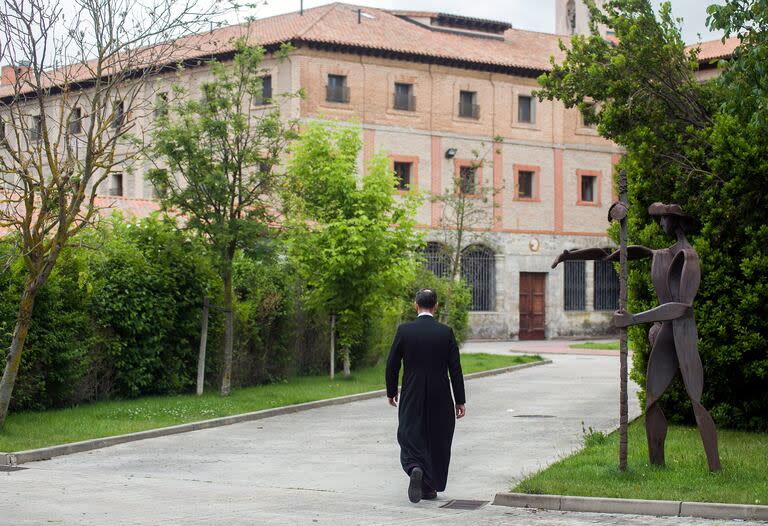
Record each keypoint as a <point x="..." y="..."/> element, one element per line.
<point x="467" y="180"/>
<point x="403" y="97"/>
<point x="606" y="286"/>
<point x="437" y="260"/>
<point x="468" y="106"/>
<point x="337" y="89"/>
<point x="478" y="268"/>
<point x="575" y="280"/>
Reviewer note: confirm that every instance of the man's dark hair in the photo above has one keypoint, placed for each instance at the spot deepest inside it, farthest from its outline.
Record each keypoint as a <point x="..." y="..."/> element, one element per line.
<point x="426" y="298"/>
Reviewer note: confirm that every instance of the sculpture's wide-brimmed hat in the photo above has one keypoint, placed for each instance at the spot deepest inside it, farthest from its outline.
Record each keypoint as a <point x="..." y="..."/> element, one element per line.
<point x="689" y="223"/>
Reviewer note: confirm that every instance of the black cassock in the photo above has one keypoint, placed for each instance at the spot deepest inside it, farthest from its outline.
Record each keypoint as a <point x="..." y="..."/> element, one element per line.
<point x="429" y="351"/>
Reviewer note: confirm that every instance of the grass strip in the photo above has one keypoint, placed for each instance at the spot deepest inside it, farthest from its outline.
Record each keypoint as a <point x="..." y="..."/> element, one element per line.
<point x="600" y="346"/>
<point x="593" y="471"/>
<point x="30" y="430"/>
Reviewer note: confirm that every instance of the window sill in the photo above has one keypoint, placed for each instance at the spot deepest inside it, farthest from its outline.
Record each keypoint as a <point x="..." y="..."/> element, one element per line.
<point x="589" y="132"/>
<point x="527" y="199"/>
<point x="589" y="203"/>
<point x="527" y="126"/>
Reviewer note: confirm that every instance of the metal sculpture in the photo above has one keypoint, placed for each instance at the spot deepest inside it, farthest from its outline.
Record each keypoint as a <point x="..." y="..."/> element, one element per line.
<point x="676" y="275"/>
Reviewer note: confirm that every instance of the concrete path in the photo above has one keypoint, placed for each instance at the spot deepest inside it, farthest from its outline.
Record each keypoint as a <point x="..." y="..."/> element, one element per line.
<point x="335" y="465"/>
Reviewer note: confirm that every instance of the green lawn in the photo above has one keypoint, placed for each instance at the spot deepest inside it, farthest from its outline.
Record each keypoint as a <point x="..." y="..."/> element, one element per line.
<point x="593" y="472"/>
<point x="38" y="429"/>
<point x="601" y="346"/>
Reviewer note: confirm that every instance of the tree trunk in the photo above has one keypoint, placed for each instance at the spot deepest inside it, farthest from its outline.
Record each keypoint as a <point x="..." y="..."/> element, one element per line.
<point x="203" y="343"/>
<point x="333" y="346"/>
<point x="13" y="360"/>
<point x="229" y="331"/>
<point x="346" y="362"/>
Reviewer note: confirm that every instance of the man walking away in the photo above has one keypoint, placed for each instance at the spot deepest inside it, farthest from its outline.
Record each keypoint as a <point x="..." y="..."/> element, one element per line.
<point x="427" y="412"/>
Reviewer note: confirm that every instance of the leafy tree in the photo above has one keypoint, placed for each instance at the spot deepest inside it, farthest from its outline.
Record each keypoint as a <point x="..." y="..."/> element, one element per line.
<point x="222" y="155"/>
<point x="704" y="146"/>
<point x="350" y="237"/>
<point x="66" y="116"/>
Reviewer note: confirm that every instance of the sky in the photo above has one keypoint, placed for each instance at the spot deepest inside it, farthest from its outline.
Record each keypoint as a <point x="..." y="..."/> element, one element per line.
<point x="535" y="15"/>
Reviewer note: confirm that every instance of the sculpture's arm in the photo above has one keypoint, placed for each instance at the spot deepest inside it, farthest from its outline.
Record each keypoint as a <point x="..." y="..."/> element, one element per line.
<point x="665" y="312"/>
<point x="581" y="255"/>
<point x="634" y="252"/>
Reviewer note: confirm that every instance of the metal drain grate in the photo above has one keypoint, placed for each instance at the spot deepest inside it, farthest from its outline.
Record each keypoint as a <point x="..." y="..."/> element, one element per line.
<point x="534" y="416"/>
<point x="11" y="468"/>
<point x="464" y="504"/>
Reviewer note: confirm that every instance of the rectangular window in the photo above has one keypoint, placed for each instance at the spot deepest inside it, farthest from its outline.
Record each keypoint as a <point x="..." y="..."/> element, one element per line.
<point x="525" y="109"/>
<point x="588" y="121"/>
<point x="606" y="286"/>
<point x="161" y="104"/>
<point x="525" y="182"/>
<point x="468" y="105"/>
<point x="76" y="121"/>
<point x="468" y="180"/>
<point x="2" y="129"/>
<point x="404" y="99"/>
<point x="119" y="115"/>
<point x="36" y="128"/>
<point x="266" y="90"/>
<point x="575" y="279"/>
<point x="588" y="188"/>
<point x="403" y="175"/>
<point x="116" y="184"/>
<point x="337" y="89"/>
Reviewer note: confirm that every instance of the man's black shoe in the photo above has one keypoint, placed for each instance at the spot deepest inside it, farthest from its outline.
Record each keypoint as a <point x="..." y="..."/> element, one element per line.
<point x="414" y="488"/>
<point x="429" y="494"/>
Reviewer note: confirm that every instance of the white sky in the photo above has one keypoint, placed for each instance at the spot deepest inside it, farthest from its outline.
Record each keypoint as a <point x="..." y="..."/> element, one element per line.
<point x="536" y="15"/>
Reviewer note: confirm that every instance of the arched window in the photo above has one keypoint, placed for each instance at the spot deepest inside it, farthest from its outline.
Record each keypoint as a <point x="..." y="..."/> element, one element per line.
<point x="478" y="268"/>
<point x="436" y="259"/>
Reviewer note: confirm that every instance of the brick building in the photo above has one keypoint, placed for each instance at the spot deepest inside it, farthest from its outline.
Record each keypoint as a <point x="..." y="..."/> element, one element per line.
<point x="429" y="89"/>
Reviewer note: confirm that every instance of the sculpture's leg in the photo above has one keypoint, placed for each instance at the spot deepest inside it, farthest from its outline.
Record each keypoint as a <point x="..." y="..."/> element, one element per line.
<point x="686" y="339"/>
<point x="662" y="367"/>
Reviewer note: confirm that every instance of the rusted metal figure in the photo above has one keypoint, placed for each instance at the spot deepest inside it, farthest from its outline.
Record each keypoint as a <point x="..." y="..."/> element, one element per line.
<point x="676" y="275"/>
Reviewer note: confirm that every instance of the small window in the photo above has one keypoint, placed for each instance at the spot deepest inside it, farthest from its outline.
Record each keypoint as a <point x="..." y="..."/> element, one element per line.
<point x="337" y="89"/>
<point x="525" y="182"/>
<point x="119" y="115"/>
<point x="76" y="121"/>
<point x="404" y="99"/>
<point x="588" y="188"/>
<point x="468" y="105"/>
<point x="587" y="121"/>
<point x="161" y="104"/>
<point x="575" y="279"/>
<point x="2" y="129"/>
<point x="116" y="184"/>
<point x="525" y="109"/>
<point x="468" y="180"/>
<point x="403" y="172"/>
<point x="36" y="128"/>
<point x="266" y="90"/>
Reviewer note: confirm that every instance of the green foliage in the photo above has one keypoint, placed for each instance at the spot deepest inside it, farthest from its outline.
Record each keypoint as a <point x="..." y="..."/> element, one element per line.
<point x="704" y="146"/>
<point x="351" y="239"/>
<point x="455" y="296"/>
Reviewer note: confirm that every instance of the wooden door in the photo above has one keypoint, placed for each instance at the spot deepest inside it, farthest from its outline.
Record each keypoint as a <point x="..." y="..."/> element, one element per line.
<point x="532" y="305"/>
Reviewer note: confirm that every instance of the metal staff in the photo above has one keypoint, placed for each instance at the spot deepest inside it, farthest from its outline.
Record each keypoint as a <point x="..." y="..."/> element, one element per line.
<point x="619" y="212"/>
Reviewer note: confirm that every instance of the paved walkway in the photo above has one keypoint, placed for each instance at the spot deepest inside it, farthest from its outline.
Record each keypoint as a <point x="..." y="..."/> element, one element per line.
<point x="542" y="347"/>
<point x="335" y="465"/>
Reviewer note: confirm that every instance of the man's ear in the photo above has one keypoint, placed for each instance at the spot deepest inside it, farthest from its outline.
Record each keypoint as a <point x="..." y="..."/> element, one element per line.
<point x="416" y="306"/>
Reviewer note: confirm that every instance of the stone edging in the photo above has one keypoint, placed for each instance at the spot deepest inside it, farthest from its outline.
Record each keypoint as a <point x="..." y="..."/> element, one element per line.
<point x="658" y="508"/>
<point x="45" y="453"/>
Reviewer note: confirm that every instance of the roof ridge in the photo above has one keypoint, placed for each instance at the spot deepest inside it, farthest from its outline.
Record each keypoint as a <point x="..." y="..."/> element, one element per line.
<point x="329" y="8"/>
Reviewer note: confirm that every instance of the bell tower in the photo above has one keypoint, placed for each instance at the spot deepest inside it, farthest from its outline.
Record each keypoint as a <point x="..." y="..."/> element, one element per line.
<point x="572" y="17"/>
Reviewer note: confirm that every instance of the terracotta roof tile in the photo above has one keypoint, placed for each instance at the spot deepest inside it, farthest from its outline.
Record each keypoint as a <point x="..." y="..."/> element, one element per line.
<point x="715" y="49"/>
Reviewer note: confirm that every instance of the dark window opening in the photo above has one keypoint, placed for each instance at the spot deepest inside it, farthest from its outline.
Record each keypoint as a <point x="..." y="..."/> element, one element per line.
<point x="606" y="286"/>
<point x="337" y="89"/>
<point x="588" y="188"/>
<point x="403" y="175"/>
<point x="119" y="115"/>
<point x="468" y="106"/>
<point x="575" y="279"/>
<point x="404" y="99"/>
<point x="161" y="104"/>
<point x="525" y="184"/>
<point x="36" y="130"/>
<point x="437" y="260"/>
<point x="116" y="184"/>
<point x="266" y="90"/>
<point x="525" y="109"/>
<point x="478" y="268"/>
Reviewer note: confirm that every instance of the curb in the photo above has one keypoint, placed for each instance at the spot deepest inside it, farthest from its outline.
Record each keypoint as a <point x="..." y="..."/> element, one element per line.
<point x="46" y="453"/>
<point x="658" y="508"/>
